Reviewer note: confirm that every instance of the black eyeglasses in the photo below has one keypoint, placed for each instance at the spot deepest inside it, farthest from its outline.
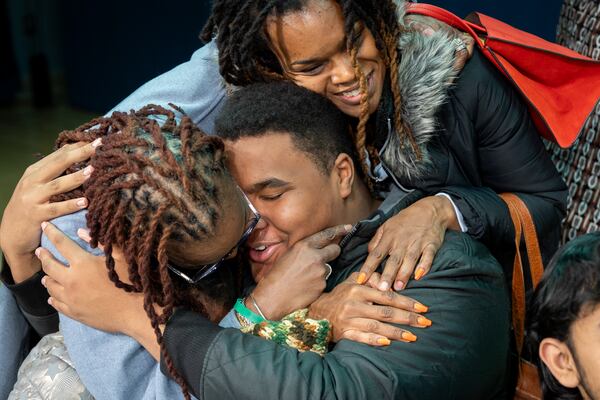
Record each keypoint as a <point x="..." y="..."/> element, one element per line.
<point x="205" y="270"/>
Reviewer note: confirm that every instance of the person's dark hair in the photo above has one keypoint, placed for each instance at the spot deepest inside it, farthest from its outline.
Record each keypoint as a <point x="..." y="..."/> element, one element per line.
<point x="245" y="56"/>
<point x="569" y="288"/>
<point x="316" y="126"/>
<point x="154" y="185"/>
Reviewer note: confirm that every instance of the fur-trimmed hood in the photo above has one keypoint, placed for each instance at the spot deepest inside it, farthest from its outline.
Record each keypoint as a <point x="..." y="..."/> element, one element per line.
<point x="425" y="74"/>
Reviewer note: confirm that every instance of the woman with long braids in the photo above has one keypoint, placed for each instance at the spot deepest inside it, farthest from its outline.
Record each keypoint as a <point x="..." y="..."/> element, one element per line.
<point x="466" y="136"/>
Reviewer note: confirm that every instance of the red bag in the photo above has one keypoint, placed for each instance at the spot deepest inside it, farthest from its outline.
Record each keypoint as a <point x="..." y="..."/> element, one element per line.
<point x="560" y="86"/>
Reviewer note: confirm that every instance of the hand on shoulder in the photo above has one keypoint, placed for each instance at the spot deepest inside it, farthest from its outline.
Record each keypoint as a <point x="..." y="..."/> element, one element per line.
<point x="30" y="205"/>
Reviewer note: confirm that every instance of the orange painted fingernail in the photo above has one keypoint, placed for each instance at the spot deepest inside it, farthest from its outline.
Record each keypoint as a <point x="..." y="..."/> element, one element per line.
<point x="419" y="273"/>
<point x="422" y="321"/>
<point x="420" y="307"/>
<point x="362" y="277"/>
<point x="383" y="341"/>
<point x="409" y="337"/>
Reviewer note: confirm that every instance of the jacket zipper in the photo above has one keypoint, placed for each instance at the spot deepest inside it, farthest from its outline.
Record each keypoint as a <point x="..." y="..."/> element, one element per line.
<point x="385" y="168"/>
<point x="347" y="238"/>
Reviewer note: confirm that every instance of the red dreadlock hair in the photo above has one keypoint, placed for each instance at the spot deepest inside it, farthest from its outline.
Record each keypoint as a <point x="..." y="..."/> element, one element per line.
<point x="154" y="184"/>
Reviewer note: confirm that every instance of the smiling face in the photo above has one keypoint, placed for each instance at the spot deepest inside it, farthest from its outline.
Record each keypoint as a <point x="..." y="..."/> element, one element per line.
<point x="294" y="197"/>
<point x="311" y="47"/>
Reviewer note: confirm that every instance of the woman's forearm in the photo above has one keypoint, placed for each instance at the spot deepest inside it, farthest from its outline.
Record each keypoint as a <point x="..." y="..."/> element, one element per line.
<point x="22" y="267"/>
<point x="139" y="328"/>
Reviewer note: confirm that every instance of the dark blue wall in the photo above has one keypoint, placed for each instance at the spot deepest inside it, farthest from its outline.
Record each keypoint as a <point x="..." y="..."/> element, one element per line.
<point x="111" y="47"/>
<point x="539" y="17"/>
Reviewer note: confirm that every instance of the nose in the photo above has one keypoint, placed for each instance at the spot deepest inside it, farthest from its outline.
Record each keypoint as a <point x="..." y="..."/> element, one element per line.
<point x="262" y="224"/>
<point x="343" y="71"/>
<point x="260" y="227"/>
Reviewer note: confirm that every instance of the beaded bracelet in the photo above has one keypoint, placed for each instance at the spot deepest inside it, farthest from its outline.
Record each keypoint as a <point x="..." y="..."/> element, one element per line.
<point x="246" y="313"/>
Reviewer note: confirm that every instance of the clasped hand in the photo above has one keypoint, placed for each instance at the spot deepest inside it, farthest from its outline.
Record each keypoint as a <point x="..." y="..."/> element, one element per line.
<point x="84" y="292"/>
<point x="408" y="242"/>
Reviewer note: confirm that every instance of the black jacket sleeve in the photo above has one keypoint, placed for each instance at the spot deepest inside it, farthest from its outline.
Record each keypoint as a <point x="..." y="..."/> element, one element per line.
<point x="500" y="150"/>
<point x="452" y="359"/>
<point x="32" y="298"/>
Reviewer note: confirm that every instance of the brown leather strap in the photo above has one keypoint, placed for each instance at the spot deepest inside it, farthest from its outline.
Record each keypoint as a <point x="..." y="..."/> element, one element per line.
<point x="528" y="387"/>
<point x="534" y="255"/>
<point x="518" y="282"/>
<point x="523" y="223"/>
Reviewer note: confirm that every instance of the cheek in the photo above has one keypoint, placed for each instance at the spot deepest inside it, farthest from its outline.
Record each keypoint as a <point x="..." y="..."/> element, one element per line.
<point x="368" y="50"/>
<point x="293" y="218"/>
<point x="379" y="79"/>
<point x="586" y="340"/>
<point x="376" y="97"/>
<point x="317" y="84"/>
<point x="371" y="58"/>
<point x="317" y="216"/>
<point x="302" y="215"/>
<point x="590" y="357"/>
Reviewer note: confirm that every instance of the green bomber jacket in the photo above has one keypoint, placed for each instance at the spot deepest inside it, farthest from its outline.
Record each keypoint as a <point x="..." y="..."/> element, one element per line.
<point x="463" y="355"/>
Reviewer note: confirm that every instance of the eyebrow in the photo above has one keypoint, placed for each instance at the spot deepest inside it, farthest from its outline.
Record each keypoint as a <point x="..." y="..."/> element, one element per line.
<point x="313" y="60"/>
<point x="307" y="62"/>
<point x="267" y="183"/>
<point x="342" y="45"/>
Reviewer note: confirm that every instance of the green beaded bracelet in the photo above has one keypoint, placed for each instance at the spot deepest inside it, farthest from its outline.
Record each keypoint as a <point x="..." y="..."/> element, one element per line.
<point x="245" y="312"/>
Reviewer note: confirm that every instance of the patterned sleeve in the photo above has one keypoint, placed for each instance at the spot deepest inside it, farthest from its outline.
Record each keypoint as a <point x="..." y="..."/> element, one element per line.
<point x="295" y="330"/>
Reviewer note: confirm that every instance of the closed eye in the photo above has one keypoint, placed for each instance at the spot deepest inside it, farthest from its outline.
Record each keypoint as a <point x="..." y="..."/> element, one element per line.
<point x="311" y="70"/>
<point x="270" y="197"/>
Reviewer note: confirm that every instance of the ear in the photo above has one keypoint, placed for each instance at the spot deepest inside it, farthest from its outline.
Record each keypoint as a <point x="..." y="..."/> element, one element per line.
<point x="558" y="358"/>
<point x="343" y="174"/>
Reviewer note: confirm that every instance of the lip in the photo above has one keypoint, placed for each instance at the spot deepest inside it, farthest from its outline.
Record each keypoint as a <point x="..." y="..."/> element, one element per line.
<point x="262" y="257"/>
<point x="355" y="100"/>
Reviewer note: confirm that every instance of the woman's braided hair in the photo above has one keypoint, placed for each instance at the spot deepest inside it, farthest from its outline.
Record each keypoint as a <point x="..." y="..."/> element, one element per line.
<point x="153" y="184"/>
<point x="245" y="57"/>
